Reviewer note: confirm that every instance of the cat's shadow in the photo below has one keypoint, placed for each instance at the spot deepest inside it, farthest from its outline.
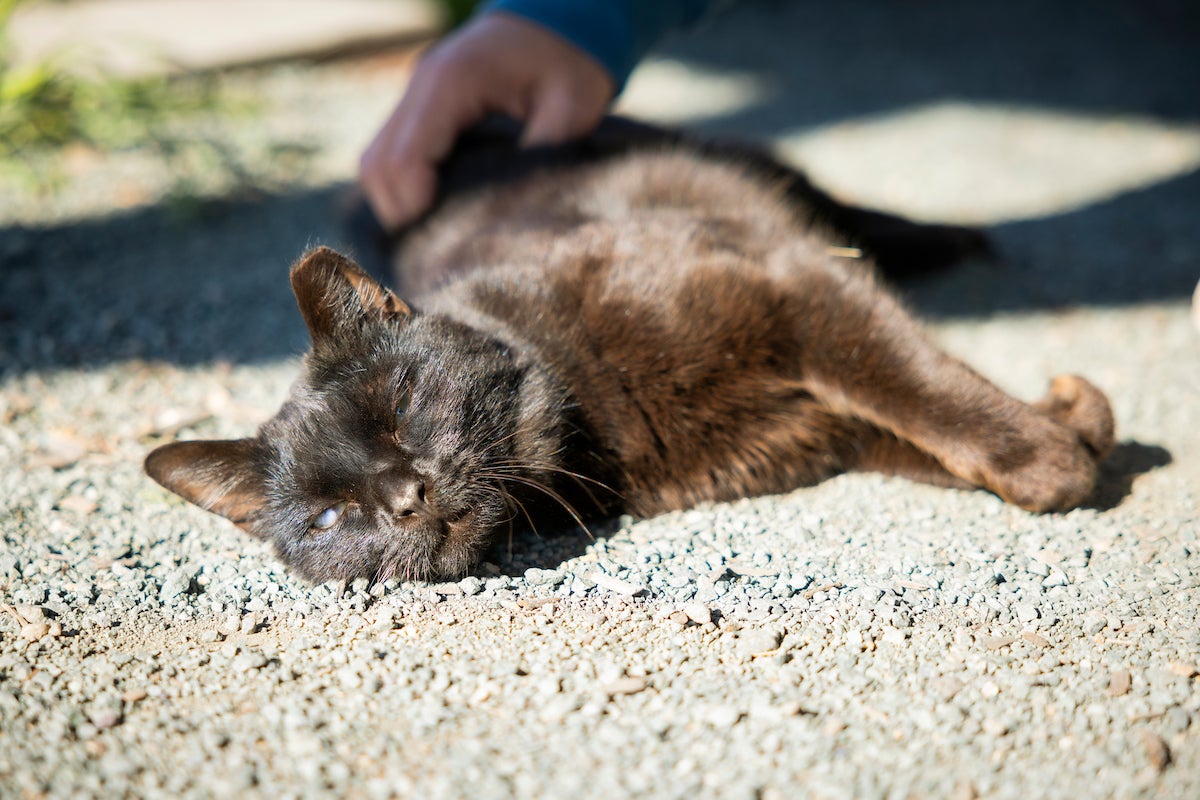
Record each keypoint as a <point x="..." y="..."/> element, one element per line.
<point x="1127" y="462"/>
<point x="547" y="549"/>
<point x="514" y="555"/>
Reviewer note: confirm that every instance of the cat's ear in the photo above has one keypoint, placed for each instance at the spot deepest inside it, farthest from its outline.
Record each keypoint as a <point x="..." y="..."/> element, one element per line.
<point x="332" y="291"/>
<point x="225" y="477"/>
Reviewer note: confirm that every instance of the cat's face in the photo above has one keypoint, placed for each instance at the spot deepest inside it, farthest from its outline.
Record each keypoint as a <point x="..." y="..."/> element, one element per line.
<point x="395" y="451"/>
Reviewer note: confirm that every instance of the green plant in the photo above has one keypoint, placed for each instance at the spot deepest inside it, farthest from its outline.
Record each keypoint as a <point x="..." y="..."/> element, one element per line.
<point x="53" y="103"/>
<point x="458" y="10"/>
<point x="49" y="103"/>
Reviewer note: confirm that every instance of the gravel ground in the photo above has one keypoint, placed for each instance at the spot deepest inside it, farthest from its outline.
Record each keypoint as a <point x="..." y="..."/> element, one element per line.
<point x="864" y="638"/>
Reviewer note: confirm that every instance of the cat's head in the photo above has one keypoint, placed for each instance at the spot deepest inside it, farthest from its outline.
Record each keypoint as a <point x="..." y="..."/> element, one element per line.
<point x="394" y="451"/>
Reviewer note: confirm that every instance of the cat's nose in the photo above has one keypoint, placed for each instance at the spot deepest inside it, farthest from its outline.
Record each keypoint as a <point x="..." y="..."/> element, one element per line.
<point x="407" y="497"/>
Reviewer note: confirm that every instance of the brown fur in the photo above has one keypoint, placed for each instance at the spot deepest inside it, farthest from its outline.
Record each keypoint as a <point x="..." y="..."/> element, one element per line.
<point x="672" y="326"/>
<point x="736" y="356"/>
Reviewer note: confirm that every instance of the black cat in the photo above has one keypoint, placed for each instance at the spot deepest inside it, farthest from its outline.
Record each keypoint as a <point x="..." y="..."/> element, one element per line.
<point x="634" y="323"/>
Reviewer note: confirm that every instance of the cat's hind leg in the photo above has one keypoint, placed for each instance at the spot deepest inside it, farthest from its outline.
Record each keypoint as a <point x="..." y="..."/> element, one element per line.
<point x="881" y="451"/>
<point x="1071" y="401"/>
<point x="864" y="356"/>
<point x="1076" y="403"/>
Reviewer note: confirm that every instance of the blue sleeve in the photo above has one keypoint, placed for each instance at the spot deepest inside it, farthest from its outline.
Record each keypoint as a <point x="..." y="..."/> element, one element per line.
<point x="617" y="33"/>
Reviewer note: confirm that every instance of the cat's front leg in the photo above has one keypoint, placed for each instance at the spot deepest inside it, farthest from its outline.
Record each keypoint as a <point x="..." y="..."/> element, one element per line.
<point x="865" y="357"/>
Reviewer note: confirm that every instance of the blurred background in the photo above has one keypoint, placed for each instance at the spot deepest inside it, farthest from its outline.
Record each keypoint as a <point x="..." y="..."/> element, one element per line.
<point x="162" y="161"/>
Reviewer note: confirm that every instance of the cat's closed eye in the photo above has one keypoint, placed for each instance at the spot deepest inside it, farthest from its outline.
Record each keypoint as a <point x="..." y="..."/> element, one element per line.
<point x="328" y="518"/>
<point x="402" y="404"/>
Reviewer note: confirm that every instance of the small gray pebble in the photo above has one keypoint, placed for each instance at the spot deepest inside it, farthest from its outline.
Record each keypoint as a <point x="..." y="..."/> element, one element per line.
<point x="1177" y="719"/>
<point x="470" y="586"/>
<point x="250" y="660"/>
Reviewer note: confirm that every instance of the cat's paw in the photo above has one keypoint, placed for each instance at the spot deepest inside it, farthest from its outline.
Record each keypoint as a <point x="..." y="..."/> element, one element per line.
<point x="1076" y="403"/>
<point x="1078" y="435"/>
<point x="1060" y="477"/>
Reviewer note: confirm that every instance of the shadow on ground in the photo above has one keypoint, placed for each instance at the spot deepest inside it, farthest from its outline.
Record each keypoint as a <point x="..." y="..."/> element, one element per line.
<point x="154" y="286"/>
<point x="1127" y="462"/>
<point x="207" y="285"/>
<point x="1139" y="247"/>
<point x="524" y="548"/>
<point x="212" y="284"/>
<point x="825" y="62"/>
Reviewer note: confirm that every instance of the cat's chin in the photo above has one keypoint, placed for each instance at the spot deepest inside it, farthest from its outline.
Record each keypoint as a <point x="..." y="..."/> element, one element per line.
<point x="448" y="555"/>
<point x="456" y="554"/>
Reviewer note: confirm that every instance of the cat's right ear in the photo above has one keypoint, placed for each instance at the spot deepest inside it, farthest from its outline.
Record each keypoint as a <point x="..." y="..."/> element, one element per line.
<point x="335" y="293"/>
<point x="225" y="477"/>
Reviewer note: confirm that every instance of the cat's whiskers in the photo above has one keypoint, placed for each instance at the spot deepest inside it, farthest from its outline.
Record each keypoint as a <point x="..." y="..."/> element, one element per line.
<point x="529" y="518"/>
<point x="541" y="487"/>
<point x="549" y="467"/>
<point x="538" y="465"/>
<point x="580" y="480"/>
<point x="514" y="506"/>
<point x="384" y="572"/>
<point x="490" y="450"/>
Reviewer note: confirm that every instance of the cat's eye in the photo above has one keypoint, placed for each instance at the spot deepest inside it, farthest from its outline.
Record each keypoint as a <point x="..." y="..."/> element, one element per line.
<point x="402" y="405"/>
<point x="328" y="518"/>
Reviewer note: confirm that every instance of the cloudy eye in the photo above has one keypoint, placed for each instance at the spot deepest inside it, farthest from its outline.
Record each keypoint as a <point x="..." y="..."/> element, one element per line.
<point x="328" y="518"/>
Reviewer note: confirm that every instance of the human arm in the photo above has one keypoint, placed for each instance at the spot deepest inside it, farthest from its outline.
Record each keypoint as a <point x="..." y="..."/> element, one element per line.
<point x="553" y="65"/>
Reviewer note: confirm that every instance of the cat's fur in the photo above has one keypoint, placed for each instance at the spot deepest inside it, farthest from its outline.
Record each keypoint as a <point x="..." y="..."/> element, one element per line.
<point x="654" y="329"/>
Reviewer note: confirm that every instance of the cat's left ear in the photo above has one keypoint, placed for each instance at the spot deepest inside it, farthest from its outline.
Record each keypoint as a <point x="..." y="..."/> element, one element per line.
<point x="225" y="477"/>
<point x="333" y="292"/>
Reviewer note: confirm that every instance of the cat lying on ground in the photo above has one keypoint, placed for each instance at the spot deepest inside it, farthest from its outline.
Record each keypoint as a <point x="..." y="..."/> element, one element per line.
<point x="630" y="327"/>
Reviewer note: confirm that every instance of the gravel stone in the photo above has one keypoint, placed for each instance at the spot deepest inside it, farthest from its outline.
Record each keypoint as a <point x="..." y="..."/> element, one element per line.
<point x="189" y="664"/>
<point x="247" y="661"/>
<point x="1157" y="753"/>
<point x="757" y="642"/>
<point x="1119" y="682"/>
<point x="698" y="613"/>
<point x="470" y="586"/>
<point x="1177" y="719"/>
<point x="616" y="585"/>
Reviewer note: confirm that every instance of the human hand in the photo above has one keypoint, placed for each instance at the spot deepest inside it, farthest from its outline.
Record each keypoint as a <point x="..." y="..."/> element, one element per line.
<point x="498" y="63"/>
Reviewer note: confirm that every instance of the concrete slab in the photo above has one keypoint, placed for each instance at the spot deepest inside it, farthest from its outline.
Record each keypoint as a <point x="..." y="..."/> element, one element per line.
<point x="140" y="37"/>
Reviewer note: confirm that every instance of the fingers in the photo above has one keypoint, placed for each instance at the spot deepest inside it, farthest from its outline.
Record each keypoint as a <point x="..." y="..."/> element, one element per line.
<point x="560" y="114"/>
<point x="499" y="63"/>
<point x="399" y="199"/>
<point x="398" y="171"/>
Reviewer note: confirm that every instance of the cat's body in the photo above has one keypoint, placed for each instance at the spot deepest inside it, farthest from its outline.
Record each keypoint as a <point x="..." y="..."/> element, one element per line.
<point x="647" y="332"/>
